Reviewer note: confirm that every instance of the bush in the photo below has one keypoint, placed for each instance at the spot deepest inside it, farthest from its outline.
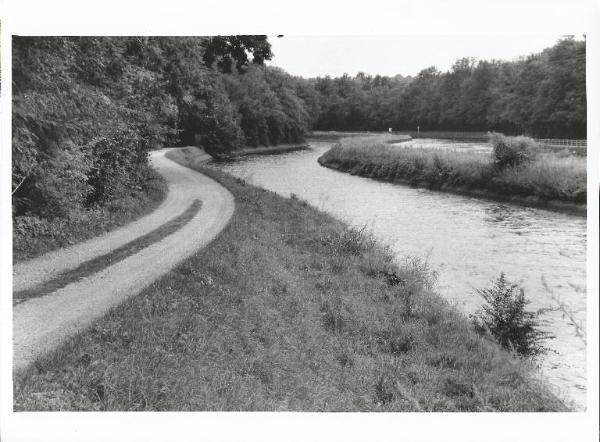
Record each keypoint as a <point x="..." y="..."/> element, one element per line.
<point x="512" y="151"/>
<point x="505" y="318"/>
<point x="60" y="186"/>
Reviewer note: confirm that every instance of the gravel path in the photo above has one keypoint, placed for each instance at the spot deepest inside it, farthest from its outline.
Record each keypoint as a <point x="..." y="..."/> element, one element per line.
<point x="41" y="324"/>
<point x="29" y="274"/>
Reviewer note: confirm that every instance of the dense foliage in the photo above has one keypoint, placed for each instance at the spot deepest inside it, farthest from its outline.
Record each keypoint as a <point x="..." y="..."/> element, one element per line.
<point x="87" y="110"/>
<point x="542" y="95"/>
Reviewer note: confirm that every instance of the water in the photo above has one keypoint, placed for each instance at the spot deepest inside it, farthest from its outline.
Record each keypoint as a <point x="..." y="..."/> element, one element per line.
<point x="468" y="240"/>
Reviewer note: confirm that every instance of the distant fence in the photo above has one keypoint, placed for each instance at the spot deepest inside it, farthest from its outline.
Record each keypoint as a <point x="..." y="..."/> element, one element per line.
<point x="553" y="142"/>
<point x="450" y="135"/>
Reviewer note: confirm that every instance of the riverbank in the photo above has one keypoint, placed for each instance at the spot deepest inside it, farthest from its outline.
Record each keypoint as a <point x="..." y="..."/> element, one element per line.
<point x="550" y="181"/>
<point x="260" y="150"/>
<point x="269" y="150"/>
<point x="288" y="309"/>
<point x="336" y="135"/>
<point x="34" y="236"/>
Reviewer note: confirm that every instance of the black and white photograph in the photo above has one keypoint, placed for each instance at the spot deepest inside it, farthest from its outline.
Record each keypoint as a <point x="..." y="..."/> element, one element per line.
<point x="300" y="232"/>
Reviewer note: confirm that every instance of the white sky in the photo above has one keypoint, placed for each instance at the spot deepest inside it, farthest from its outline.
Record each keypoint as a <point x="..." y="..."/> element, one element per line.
<point x="311" y="56"/>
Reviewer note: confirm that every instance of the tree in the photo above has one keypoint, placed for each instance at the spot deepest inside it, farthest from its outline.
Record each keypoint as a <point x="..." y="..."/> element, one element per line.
<point x="234" y="49"/>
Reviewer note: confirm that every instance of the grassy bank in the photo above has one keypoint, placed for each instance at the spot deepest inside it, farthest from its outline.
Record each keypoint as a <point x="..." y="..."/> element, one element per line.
<point x="287" y="310"/>
<point x="336" y="135"/>
<point x="34" y="236"/>
<point x="550" y="180"/>
<point x="268" y="150"/>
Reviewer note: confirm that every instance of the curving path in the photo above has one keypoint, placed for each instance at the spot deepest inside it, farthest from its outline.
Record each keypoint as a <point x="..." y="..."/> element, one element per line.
<point x="40" y="324"/>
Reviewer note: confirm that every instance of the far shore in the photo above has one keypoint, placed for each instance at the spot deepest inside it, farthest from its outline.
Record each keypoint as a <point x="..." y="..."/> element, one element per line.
<point x="551" y="181"/>
<point x="269" y="150"/>
<point x="530" y="201"/>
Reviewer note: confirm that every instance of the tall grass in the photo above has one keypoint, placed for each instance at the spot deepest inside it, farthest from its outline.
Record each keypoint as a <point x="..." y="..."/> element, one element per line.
<point x="543" y="176"/>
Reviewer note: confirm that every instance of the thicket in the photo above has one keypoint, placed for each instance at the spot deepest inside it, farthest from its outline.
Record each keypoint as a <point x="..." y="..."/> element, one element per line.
<point x="542" y="95"/>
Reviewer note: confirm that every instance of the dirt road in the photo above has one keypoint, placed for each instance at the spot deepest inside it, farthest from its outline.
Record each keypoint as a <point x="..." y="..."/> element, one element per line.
<point x="40" y="324"/>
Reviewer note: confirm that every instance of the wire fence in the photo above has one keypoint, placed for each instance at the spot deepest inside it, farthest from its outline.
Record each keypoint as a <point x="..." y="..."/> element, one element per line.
<point x="554" y="142"/>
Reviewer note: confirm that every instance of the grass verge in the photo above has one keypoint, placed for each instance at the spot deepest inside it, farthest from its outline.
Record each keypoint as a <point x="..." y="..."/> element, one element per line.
<point x="34" y="236"/>
<point x="288" y="309"/>
<point x="550" y="181"/>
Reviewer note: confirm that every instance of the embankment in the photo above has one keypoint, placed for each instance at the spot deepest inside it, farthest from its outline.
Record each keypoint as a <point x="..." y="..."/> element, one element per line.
<point x="288" y="309"/>
<point x="269" y="150"/>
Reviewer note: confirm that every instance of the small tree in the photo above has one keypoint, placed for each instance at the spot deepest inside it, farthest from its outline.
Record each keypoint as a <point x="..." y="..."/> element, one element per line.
<point x="505" y="317"/>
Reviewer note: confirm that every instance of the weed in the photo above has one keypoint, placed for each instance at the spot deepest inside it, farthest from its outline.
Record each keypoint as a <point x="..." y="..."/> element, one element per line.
<point x="351" y="240"/>
<point x="384" y="393"/>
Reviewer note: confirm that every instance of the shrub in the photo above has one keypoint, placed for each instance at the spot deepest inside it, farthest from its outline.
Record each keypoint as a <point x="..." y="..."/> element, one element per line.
<point x="504" y="316"/>
<point x="512" y="151"/>
<point x="60" y="186"/>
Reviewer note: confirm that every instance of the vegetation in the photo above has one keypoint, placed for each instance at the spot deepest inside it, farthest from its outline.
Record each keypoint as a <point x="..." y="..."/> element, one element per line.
<point x="87" y="110"/>
<point x="504" y="317"/>
<point x="288" y="310"/>
<point x="514" y="170"/>
<point x="542" y="95"/>
<point x="101" y="262"/>
<point x="34" y="236"/>
<point x="509" y="152"/>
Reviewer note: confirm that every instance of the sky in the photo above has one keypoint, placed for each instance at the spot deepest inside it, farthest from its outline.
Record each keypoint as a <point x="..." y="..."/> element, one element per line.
<point x="311" y="56"/>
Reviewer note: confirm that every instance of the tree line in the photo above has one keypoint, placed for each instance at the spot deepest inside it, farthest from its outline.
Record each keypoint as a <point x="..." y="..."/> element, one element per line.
<point x="87" y="110"/>
<point x="542" y="95"/>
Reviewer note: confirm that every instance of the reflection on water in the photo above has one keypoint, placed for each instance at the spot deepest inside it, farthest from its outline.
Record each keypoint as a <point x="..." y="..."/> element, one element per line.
<point x="470" y="241"/>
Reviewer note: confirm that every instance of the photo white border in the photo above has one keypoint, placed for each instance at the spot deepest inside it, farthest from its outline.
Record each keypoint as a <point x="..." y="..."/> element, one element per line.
<point x="302" y="17"/>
